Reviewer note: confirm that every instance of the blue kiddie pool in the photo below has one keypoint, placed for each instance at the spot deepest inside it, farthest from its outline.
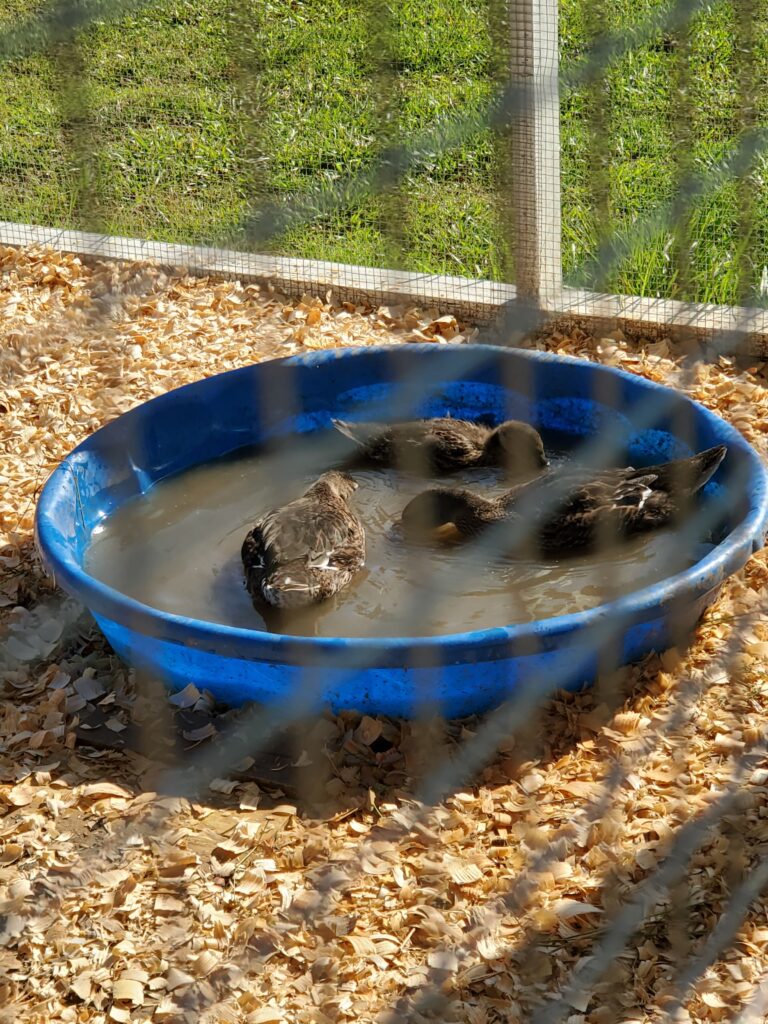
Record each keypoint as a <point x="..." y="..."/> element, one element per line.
<point x="456" y="674"/>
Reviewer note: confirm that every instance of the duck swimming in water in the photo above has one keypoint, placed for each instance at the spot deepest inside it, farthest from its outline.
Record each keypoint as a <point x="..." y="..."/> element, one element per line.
<point x="308" y="550"/>
<point x="442" y="445"/>
<point x="572" y="511"/>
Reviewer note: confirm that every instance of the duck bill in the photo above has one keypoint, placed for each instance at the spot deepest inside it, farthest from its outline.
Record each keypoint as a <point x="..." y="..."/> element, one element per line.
<point x="447" y="533"/>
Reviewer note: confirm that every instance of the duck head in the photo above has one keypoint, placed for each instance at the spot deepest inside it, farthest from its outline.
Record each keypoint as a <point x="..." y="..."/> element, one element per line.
<point x="445" y="513"/>
<point x="339" y="483"/>
<point x="517" y="447"/>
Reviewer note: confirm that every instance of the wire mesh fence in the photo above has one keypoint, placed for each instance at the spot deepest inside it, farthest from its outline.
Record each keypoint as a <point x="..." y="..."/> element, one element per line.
<point x="188" y="120"/>
<point x="591" y="857"/>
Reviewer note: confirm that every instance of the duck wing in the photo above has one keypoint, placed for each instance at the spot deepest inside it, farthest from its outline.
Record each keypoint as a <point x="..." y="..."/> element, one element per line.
<point x="573" y="510"/>
<point x="608" y="492"/>
<point x="303" y="552"/>
<point x="648" y="492"/>
<point x="322" y="536"/>
<point x="441" y="443"/>
<point x="451" y="444"/>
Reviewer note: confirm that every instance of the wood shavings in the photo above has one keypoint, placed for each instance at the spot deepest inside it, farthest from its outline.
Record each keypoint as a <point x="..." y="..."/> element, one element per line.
<point x="10" y="853"/>
<point x="82" y="986"/>
<point x="175" y="979"/>
<point x="533" y="782"/>
<point x="259" y="903"/>
<point x="100" y="790"/>
<point x="89" y="688"/>
<point x="127" y="990"/>
<point x="168" y="905"/>
<point x="368" y="731"/>
<point x="565" y="909"/>
<point x="464" y="874"/>
<point x="266" y="1015"/>
<point x="205" y="732"/>
<point x="185" y="698"/>
<point x="20" y="796"/>
<point x="222" y="785"/>
<point x="361" y="945"/>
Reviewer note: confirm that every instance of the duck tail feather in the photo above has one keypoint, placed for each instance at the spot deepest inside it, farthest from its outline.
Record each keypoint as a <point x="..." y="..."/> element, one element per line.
<point x="706" y="464"/>
<point x="687" y="476"/>
<point x="360" y="433"/>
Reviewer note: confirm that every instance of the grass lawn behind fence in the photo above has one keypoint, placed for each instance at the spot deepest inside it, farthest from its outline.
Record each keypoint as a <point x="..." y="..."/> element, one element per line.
<point x="166" y="150"/>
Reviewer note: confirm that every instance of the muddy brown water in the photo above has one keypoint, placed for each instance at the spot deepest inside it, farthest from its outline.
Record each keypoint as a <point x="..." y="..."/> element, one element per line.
<point x="177" y="549"/>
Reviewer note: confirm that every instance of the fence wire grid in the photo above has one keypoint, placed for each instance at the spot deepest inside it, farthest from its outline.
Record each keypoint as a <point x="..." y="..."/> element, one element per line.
<point x="587" y="858"/>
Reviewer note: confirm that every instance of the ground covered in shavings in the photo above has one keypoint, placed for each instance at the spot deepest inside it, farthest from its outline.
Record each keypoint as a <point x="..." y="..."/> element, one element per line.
<point x="312" y="885"/>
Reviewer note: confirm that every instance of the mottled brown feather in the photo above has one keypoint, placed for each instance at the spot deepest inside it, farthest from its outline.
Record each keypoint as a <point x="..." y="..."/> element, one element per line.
<point x="596" y="508"/>
<point x="442" y="445"/>
<point x="308" y="550"/>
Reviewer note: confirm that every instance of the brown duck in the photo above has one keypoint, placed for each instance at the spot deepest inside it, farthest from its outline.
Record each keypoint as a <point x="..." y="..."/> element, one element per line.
<point x="308" y="550"/>
<point x="442" y="445"/>
<point x="593" y="508"/>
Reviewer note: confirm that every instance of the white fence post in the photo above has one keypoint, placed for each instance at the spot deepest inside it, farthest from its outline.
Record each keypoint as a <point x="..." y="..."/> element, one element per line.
<point x="535" y="136"/>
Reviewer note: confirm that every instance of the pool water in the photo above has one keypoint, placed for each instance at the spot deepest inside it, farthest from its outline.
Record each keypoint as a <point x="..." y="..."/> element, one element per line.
<point x="177" y="549"/>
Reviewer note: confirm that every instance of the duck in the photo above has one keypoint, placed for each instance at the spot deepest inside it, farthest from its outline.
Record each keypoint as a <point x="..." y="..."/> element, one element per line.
<point x="442" y="445"/>
<point x="308" y="550"/>
<point x="571" y="511"/>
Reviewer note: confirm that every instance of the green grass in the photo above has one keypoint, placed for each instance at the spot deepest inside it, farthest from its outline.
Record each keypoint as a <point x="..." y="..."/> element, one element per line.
<point x="197" y="113"/>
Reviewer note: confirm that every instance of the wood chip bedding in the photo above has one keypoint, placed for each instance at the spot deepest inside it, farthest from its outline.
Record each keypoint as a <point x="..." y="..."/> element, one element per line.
<point x="314" y="887"/>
